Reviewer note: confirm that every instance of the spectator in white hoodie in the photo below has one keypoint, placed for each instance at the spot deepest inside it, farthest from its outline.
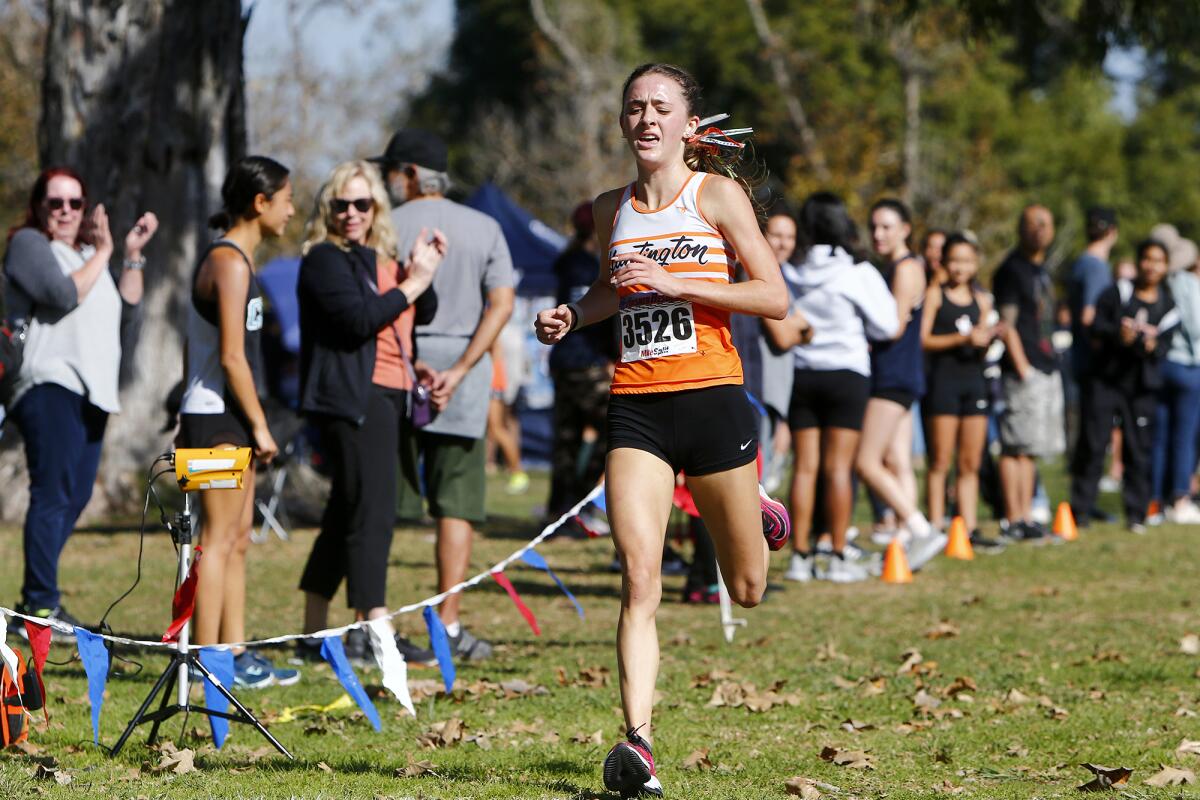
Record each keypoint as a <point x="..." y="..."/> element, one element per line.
<point x="842" y="301"/>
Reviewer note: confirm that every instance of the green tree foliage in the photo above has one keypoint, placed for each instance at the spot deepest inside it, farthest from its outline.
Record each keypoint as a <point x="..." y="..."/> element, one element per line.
<point x="968" y="108"/>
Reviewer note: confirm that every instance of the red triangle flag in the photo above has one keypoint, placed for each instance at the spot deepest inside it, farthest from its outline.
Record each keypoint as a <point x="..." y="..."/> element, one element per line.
<point x="39" y="646"/>
<point x="39" y="643"/>
<point x="503" y="580"/>
<point x="184" y="603"/>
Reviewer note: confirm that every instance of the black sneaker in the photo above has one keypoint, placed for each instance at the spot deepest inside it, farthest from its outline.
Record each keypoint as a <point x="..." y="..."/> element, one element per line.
<point x="58" y="614"/>
<point x="1029" y="532"/>
<point x="358" y="648"/>
<point x="984" y="544"/>
<point x="415" y="654"/>
<point x="307" y="651"/>
<point x="467" y="646"/>
<point x="629" y="768"/>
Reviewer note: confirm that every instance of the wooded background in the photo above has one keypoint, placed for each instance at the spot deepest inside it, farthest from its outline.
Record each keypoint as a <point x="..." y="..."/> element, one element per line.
<point x="967" y="109"/>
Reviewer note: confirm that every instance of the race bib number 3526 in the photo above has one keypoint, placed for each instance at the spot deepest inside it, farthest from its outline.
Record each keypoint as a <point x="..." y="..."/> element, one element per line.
<point x="656" y="331"/>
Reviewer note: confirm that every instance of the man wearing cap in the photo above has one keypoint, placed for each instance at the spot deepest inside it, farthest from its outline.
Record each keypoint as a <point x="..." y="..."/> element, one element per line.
<point x="1088" y="276"/>
<point x="475" y="285"/>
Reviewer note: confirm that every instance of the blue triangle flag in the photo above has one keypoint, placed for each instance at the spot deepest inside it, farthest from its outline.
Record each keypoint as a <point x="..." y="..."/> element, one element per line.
<point x="601" y="501"/>
<point x="534" y="559"/>
<point x="220" y="663"/>
<point x="440" y="643"/>
<point x="333" y="652"/>
<point x="94" y="656"/>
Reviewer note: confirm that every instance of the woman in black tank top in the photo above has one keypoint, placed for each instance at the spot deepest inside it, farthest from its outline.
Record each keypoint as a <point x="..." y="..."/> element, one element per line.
<point x="956" y="333"/>
<point x="257" y="204"/>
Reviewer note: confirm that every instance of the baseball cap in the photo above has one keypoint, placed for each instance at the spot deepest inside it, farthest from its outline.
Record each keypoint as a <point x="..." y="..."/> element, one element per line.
<point x="413" y="146"/>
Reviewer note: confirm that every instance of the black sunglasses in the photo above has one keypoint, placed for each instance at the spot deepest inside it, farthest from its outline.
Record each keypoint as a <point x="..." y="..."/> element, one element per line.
<point x="362" y="205"/>
<point x="56" y="203"/>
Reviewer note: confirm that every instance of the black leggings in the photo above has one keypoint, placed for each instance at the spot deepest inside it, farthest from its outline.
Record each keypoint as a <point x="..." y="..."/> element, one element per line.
<point x="356" y="529"/>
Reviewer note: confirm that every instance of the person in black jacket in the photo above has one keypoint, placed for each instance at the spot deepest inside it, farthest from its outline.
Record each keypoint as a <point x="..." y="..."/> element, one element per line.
<point x="1130" y="335"/>
<point x="357" y="310"/>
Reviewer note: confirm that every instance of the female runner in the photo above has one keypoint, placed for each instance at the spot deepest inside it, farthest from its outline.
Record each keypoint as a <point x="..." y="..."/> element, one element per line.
<point x="677" y="401"/>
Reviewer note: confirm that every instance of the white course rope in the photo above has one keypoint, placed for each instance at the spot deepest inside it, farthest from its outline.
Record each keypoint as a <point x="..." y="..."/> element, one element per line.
<point x="437" y="599"/>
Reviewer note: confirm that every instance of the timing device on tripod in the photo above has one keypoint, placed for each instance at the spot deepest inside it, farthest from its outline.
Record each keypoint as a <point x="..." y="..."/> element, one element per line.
<point x="195" y="470"/>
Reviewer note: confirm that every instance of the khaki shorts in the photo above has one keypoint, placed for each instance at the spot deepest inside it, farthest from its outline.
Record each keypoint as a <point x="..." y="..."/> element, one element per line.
<point x="453" y="471"/>
<point x="1032" y="422"/>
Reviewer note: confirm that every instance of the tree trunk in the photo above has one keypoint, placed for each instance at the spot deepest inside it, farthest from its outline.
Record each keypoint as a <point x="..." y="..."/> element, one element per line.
<point x="144" y="98"/>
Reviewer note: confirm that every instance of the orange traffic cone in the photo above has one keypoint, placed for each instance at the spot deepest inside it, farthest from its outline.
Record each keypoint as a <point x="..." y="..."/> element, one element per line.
<point x="1064" y="522"/>
<point x="959" y="544"/>
<point x="895" y="564"/>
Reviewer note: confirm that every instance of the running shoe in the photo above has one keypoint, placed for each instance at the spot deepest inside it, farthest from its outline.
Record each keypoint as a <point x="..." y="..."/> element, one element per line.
<point x="468" y="647"/>
<point x="702" y="594"/>
<point x="250" y="673"/>
<point x="883" y="536"/>
<point x="629" y="768"/>
<point x="518" y="483"/>
<point x="1138" y="527"/>
<point x="923" y="549"/>
<point x="985" y="545"/>
<point x="777" y="525"/>
<point x="414" y="653"/>
<point x="844" y="570"/>
<point x="306" y="651"/>
<point x="357" y="647"/>
<point x="56" y="614"/>
<point x="284" y="676"/>
<point x="1185" y="512"/>
<point x="800" y="568"/>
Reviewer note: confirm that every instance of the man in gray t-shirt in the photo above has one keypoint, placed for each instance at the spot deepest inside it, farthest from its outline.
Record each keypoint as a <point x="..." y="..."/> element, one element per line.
<point x="474" y="286"/>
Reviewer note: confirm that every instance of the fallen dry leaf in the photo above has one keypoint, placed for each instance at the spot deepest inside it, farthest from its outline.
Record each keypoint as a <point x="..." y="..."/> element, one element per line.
<point x="854" y="726"/>
<point x="416" y="769"/>
<point x="829" y="652"/>
<point x="909" y="659"/>
<point x="596" y="737"/>
<point x="46" y="773"/>
<point x="925" y="702"/>
<point x="802" y="788"/>
<point x="1188" y="746"/>
<point x="946" y="787"/>
<point x="1044" y="591"/>
<point x="1106" y="777"/>
<point x="1170" y="776"/>
<point x="943" y="630"/>
<point x="1190" y="645"/>
<point x="961" y="684"/>
<point x="1017" y="751"/>
<point x="681" y="639"/>
<point x="551" y="737"/>
<point x="697" y="760"/>
<point x="854" y="759"/>
<point x="1182" y="711"/>
<point x="1016" y="697"/>
<point x="179" y="762"/>
<point x="443" y="734"/>
<point x="321" y="765"/>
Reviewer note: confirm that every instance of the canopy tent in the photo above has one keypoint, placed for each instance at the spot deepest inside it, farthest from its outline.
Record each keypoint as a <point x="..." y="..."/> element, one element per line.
<point x="533" y="244"/>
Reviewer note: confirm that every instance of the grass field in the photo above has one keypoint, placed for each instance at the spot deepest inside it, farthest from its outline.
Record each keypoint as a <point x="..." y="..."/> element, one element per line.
<point x="1033" y="661"/>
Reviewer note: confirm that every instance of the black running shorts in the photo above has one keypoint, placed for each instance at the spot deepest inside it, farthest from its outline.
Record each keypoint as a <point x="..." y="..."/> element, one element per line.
<point x="828" y="399"/>
<point x="209" y="430"/>
<point x="697" y="431"/>
<point x="956" y="396"/>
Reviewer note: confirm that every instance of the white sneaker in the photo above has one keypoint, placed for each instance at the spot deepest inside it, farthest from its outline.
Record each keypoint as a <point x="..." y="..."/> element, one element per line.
<point x="923" y="549"/>
<point x="883" y="537"/>
<point x="851" y="533"/>
<point x="1185" y="512"/>
<point x="800" y="568"/>
<point x="1040" y="513"/>
<point x="844" y="570"/>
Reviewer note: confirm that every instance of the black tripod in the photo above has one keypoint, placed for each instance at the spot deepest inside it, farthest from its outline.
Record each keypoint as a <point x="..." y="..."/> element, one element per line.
<point x="176" y="674"/>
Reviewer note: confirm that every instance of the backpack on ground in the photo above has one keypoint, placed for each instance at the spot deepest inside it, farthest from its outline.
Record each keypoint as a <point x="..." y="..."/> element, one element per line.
<point x="19" y="694"/>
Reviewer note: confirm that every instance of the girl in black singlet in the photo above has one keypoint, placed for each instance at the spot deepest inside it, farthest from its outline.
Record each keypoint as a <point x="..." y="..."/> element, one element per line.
<point x="220" y="371"/>
<point x="956" y="332"/>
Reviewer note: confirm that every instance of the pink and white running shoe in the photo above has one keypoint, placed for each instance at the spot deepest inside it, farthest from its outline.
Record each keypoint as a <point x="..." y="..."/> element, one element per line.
<point x="629" y="768"/>
<point x="777" y="524"/>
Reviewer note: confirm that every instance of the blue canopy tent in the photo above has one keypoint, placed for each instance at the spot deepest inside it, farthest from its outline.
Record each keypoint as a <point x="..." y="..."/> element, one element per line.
<point x="533" y="244"/>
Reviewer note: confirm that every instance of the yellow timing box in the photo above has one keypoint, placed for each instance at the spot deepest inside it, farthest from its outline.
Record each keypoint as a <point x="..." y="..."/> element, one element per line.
<point x="199" y="469"/>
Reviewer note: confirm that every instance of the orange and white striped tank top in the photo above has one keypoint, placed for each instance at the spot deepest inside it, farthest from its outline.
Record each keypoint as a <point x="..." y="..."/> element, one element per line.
<point x="667" y="344"/>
